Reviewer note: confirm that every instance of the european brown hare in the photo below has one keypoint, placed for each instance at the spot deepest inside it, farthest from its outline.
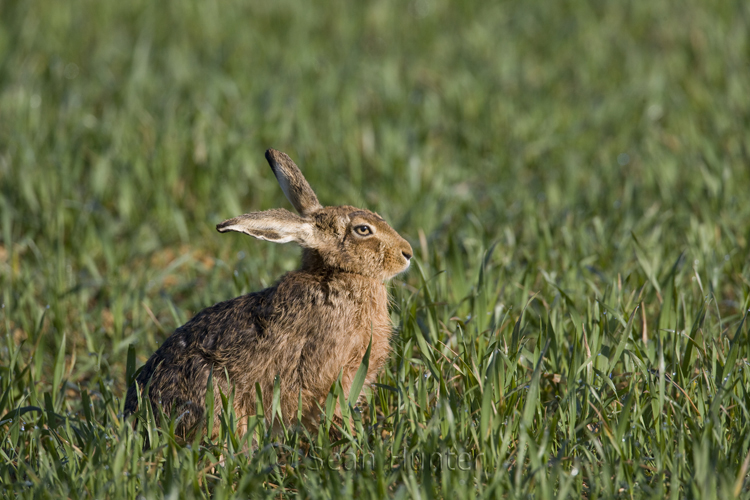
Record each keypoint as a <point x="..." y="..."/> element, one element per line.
<point x="315" y="323"/>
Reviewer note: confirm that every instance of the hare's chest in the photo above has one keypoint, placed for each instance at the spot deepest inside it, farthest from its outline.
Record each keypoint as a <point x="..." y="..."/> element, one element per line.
<point x="379" y="337"/>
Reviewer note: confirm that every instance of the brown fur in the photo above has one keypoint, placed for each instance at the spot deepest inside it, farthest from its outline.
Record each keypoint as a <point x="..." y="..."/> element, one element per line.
<point x="315" y="323"/>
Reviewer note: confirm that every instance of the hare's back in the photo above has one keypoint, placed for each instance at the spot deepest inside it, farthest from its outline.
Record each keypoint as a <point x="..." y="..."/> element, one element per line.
<point x="212" y="340"/>
<point x="228" y="326"/>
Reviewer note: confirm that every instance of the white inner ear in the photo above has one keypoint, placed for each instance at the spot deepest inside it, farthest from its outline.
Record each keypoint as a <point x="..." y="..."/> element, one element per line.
<point x="301" y="233"/>
<point x="284" y="183"/>
<point x="304" y="234"/>
<point x="297" y="232"/>
<point x="286" y="238"/>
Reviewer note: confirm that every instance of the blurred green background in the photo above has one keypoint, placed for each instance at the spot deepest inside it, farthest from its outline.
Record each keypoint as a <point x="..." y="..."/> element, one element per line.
<point x="601" y="149"/>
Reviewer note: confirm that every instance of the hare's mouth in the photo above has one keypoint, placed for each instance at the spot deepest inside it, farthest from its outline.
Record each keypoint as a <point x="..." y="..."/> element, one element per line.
<point x="394" y="269"/>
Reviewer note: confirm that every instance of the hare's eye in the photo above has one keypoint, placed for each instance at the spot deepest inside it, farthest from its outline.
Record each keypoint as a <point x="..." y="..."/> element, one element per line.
<point x="363" y="230"/>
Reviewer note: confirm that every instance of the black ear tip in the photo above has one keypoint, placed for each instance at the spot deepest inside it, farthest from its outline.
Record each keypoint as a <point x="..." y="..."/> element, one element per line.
<point x="279" y="159"/>
<point x="222" y="226"/>
<point x="274" y="156"/>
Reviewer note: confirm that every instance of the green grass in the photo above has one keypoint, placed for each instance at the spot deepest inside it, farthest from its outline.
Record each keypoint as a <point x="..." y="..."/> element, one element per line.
<point x="573" y="176"/>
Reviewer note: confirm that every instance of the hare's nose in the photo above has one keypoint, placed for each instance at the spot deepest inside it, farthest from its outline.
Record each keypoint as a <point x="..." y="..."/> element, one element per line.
<point x="406" y="251"/>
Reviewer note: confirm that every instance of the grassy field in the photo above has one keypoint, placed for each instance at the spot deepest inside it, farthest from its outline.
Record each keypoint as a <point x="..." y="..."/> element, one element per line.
<point x="573" y="176"/>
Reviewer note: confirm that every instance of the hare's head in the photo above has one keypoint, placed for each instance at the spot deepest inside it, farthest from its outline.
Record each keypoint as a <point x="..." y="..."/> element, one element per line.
<point x="340" y="238"/>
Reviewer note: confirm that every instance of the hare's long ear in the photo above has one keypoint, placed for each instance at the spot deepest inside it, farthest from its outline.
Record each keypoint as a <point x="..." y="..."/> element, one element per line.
<point x="277" y="225"/>
<point x="292" y="182"/>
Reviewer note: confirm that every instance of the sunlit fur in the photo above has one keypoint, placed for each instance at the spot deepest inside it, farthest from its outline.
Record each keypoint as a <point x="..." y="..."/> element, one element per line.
<point x="313" y="325"/>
